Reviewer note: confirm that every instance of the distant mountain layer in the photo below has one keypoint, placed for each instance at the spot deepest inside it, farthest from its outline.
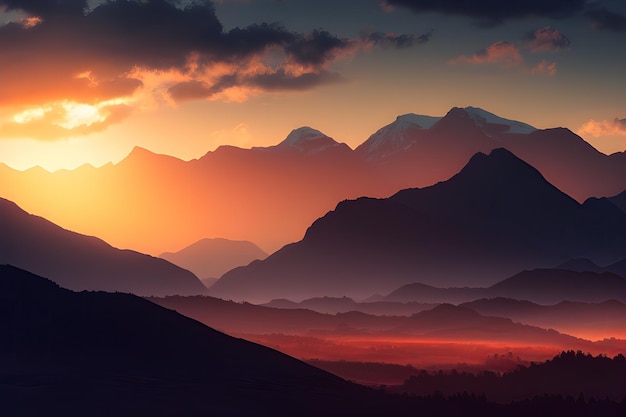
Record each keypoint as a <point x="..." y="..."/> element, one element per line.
<point x="334" y="305"/>
<point x="442" y="322"/>
<point x="101" y="354"/>
<point x="211" y="258"/>
<point x="587" y="320"/>
<point x="496" y="217"/>
<point x="542" y="286"/>
<point x="270" y="195"/>
<point x="81" y="262"/>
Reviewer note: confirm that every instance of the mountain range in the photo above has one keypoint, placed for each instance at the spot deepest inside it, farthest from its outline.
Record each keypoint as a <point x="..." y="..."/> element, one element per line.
<point x="496" y="217"/>
<point x="270" y="195"/>
<point x="80" y="262"/>
<point x="209" y="259"/>
<point x="542" y="286"/>
<point x="442" y="322"/>
<point x="103" y="354"/>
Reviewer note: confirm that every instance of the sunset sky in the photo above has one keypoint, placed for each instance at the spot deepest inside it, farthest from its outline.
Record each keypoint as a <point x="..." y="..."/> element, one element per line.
<point x="84" y="81"/>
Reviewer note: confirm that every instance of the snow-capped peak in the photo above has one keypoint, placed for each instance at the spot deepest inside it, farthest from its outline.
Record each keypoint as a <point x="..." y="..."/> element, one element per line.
<point x="307" y="139"/>
<point x="481" y="117"/>
<point x="415" y="120"/>
<point x="398" y="135"/>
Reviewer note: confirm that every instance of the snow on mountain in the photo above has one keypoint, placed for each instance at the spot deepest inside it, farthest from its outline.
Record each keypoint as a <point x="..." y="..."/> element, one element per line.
<point x="481" y="117"/>
<point x="308" y="140"/>
<point x="397" y="135"/>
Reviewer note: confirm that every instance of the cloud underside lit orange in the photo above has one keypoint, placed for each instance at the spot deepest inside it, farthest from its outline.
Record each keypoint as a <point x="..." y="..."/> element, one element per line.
<point x="616" y="127"/>
<point x="147" y="54"/>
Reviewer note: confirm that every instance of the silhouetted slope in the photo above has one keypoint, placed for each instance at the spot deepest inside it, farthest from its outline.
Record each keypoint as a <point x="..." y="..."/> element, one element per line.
<point x="580" y="265"/>
<point x="587" y="320"/>
<point x="81" y="262"/>
<point x="569" y="162"/>
<point x="449" y="322"/>
<point x="494" y="218"/>
<point x="211" y="258"/>
<point x="550" y="286"/>
<point x="570" y="374"/>
<point x="101" y="354"/>
<point x="544" y="286"/>
<point x="334" y="305"/>
<point x="443" y="322"/>
<point x="269" y="195"/>
<point x="620" y="199"/>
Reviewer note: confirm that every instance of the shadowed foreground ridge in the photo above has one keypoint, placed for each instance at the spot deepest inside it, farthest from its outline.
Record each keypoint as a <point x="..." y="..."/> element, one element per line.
<point x="101" y="354"/>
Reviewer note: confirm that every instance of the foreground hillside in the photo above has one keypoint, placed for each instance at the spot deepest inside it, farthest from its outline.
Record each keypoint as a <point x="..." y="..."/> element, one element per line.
<point x="102" y="354"/>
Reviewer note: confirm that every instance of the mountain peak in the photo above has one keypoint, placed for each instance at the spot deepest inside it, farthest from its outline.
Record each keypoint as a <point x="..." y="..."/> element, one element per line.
<point x="501" y="167"/>
<point x="490" y="122"/>
<point x="308" y="140"/>
<point x="396" y="136"/>
<point x="416" y="120"/>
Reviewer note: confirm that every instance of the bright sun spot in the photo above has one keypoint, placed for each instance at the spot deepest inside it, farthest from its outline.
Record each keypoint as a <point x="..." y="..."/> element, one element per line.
<point x="31" y="114"/>
<point x="77" y="114"/>
<point x="70" y="114"/>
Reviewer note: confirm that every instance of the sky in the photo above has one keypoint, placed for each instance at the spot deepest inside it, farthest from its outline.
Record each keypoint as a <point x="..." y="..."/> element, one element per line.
<point x="85" y="81"/>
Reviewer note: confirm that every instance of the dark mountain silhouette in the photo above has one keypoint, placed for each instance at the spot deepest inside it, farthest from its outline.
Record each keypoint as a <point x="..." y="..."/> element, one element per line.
<point x="572" y="374"/>
<point x="449" y="322"/>
<point x="425" y="154"/>
<point x="543" y="286"/>
<point x="418" y="291"/>
<point x="211" y="258"/>
<point x="334" y="305"/>
<point x="549" y="286"/>
<point x="587" y="320"/>
<point x="620" y="199"/>
<point x="81" y="262"/>
<point x="443" y="322"/>
<point x="494" y="218"/>
<point x="244" y="318"/>
<point x="580" y="265"/>
<point x="269" y="195"/>
<point x="102" y="354"/>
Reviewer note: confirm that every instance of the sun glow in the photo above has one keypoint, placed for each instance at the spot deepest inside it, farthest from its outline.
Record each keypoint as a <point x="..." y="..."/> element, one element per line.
<point x="29" y="115"/>
<point x="69" y="114"/>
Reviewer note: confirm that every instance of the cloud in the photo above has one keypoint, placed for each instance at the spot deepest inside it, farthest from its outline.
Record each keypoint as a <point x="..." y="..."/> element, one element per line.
<point x="603" y="128"/>
<point x="150" y="52"/>
<point x="490" y="13"/>
<point x="64" y="119"/>
<point x="546" y="39"/>
<point x="603" y="19"/>
<point x="544" y="67"/>
<point x="501" y="53"/>
<point x="394" y="40"/>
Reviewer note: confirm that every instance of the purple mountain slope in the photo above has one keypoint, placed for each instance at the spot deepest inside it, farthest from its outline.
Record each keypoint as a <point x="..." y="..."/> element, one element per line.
<point x="80" y="262"/>
<point x="494" y="218"/>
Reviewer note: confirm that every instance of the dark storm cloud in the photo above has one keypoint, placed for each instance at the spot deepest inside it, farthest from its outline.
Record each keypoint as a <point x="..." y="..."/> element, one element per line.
<point x="47" y="8"/>
<point x="604" y="19"/>
<point x="43" y="62"/>
<point x="316" y="48"/>
<point x="493" y="12"/>
<point x="395" y="40"/>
